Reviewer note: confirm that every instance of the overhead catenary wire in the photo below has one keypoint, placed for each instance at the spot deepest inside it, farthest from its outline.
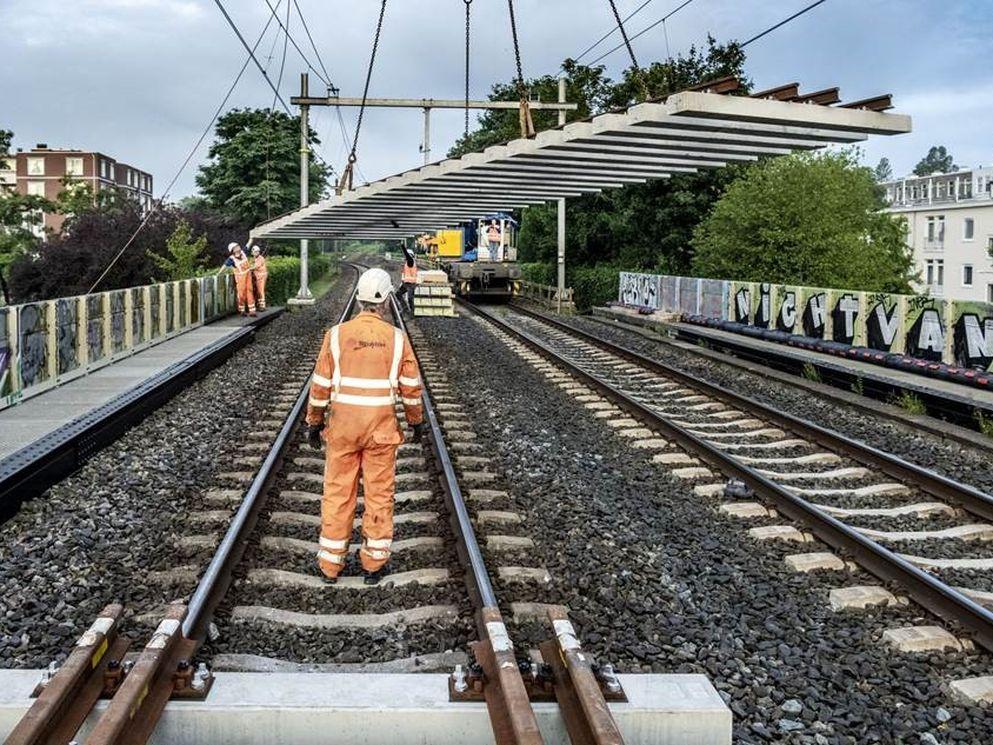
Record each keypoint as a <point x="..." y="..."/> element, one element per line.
<point x="610" y="33"/>
<point x="325" y="78"/>
<point x="272" y="111"/>
<point x="781" y="23"/>
<point x="645" y="30"/>
<point x="155" y="206"/>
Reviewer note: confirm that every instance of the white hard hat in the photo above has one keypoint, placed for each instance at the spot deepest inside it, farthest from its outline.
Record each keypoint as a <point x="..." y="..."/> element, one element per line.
<point x="256" y="250"/>
<point x="232" y="247"/>
<point x="374" y="286"/>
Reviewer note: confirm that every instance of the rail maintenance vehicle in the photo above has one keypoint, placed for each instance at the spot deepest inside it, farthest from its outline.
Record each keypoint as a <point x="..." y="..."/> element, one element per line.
<point x="479" y="256"/>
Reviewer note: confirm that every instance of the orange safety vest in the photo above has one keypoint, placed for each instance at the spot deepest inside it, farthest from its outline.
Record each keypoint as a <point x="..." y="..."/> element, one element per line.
<point x="493" y="233"/>
<point x="259" y="267"/>
<point x="365" y="366"/>
<point x="409" y="273"/>
<point x="242" y="266"/>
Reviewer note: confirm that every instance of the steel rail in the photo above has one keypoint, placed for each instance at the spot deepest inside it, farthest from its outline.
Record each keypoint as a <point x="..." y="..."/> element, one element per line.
<point x="967" y="497"/>
<point x="511" y="714"/>
<point x="928" y="591"/>
<point x="216" y="579"/>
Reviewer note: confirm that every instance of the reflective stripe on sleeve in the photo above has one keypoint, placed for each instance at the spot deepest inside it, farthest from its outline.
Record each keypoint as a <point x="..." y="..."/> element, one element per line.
<point x="404" y="380"/>
<point x="411" y="401"/>
<point x="318" y="403"/>
<point x="335" y="345"/>
<point x="322" y="381"/>
<point x="397" y="357"/>
<point x="348" y="398"/>
<point x="333" y="544"/>
<point x="333" y="558"/>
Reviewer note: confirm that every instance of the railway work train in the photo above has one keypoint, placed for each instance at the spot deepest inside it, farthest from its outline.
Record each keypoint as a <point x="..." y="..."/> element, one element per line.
<point x="479" y="256"/>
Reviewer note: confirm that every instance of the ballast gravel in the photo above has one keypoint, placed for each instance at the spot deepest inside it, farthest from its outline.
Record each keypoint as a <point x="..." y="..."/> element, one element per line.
<point x="93" y="538"/>
<point x="955" y="460"/>
<point x="657" y="580"/>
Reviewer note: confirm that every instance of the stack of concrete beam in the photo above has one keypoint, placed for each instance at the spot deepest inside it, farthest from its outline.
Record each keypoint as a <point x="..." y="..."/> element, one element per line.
<point x="433" y="294"/>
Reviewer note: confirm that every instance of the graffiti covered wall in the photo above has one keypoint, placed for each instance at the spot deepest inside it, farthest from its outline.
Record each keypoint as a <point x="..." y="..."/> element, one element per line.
<point x="49" y="342"/>
<point x="956" y="332"/>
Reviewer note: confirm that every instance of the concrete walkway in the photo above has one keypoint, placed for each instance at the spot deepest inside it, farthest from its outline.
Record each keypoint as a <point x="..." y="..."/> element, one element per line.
<point x="22" y="424"/>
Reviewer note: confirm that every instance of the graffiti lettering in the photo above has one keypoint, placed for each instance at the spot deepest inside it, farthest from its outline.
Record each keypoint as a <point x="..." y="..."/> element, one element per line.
<point x="814" y="315"/>
<point x="640" y="290"/>
<point x="764" y="312"/>
<point x="881" y="326"/>
<point x="742" y="305"/>
<point x="926" y="338"/>
<point x="845" y="312"/>
<point x="787" y="312"/>
<point x="974" y="341"/>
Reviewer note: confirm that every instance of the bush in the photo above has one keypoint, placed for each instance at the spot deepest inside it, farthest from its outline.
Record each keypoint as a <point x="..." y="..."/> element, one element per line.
<point x="594" y="285"/>
<point x="284" y="276"/>
<point x="539" y="272"/>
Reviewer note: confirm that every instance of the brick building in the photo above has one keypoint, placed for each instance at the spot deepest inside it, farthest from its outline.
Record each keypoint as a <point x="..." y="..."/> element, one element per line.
<point x="40" y="171"/>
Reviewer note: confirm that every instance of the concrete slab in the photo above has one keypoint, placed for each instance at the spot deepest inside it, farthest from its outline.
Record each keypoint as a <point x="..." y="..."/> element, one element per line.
<point x="709" y="490"/>
<point x="746" y="510"/>
<point x="859" y="597"/>
<point x="312" y="708"/>
<point x="421" y="614"/>
<point x="921" y="639"/>
<point x="509" y="543"/>
<point x="780" y="533"/>
<point x="973" y="690"/>
<point x="814" y="561"/>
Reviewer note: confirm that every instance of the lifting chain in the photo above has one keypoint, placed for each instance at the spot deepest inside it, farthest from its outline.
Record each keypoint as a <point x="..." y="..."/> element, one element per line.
<point x="345" y="183"/>
<point x="468" y="3"/>
<point x="527" y="125"/>
<point x="638" y="72"/>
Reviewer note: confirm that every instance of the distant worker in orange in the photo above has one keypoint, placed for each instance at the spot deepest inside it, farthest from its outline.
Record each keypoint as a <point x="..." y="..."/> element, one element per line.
<point x="494" y="238"/>
<point x="364" y="366"/>
<point x="241" y="267"/>
<point x="260" y="273"/>
<point x="408" y="279"/>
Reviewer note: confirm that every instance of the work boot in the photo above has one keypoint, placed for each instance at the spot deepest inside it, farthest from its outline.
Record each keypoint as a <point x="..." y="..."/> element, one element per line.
<point x="253" y="315"/>
<point x="328" y="580"/>
<point x="373" y="578"/>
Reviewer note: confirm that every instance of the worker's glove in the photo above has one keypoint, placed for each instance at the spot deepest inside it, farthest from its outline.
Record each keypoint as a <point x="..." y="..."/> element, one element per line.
<point x="418" y="430"/>
<point x="314" y="435"/>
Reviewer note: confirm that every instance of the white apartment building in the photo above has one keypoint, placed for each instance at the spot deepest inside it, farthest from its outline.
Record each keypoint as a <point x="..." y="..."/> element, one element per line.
<point x="950" y="217"/>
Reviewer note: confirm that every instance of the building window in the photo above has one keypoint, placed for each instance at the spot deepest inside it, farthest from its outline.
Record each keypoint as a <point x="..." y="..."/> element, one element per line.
<point x="967" y="275"/>
<point x="940" y="265"/>
<point x="989" y="293"/>
<point x="74" y="166"/>
<point x="930" y="272"/>
<point x="968" y="229"/>
<point x="936" y="229"/>
<point x="36" y="166"/>
<point x="36" y="188"/>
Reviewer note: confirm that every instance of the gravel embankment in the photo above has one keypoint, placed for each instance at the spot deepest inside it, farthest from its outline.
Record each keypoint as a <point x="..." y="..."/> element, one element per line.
<point x="93" y="538"/>
<point x="657" y="580"/>
<point x="957" y="461"/>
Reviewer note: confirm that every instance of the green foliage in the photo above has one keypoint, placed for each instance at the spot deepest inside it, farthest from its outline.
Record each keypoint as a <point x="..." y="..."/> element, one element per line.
<point x="594" y="285"/>
<point x="185" y="255"/>
<point x="6" y="138"/>
<point x="18" y="214"/>
<point x="883" y="170"/>
<point x="937" y="160"/>
<point x="909" y="402"/>
<point x="805" y="219"/>
<point x="810" y="372"/>
<point x="858" y="387"/>
<point x="284" y="275"/>
<point x="539" y="272"/>
<point x="984" y="423"/>
<point x="254" y="168"/>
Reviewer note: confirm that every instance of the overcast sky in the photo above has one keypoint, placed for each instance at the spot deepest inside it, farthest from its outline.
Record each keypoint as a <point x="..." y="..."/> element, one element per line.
<point x="138" y="79"/>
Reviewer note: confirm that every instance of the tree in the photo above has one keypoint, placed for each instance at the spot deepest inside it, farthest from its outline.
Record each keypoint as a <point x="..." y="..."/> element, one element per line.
<point x="254" y="169"/>
<point x="937" y="160"/>
<point x="805" y="219"/>
<point x="883" y="171"/>
<point x="185" y="255"/>
<point x="6" y="138"/>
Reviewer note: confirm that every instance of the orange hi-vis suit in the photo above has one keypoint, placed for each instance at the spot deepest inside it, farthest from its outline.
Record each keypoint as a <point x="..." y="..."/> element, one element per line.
<point x="364" y="365"/>
<point x="243" y="283"/>
<point x="261" y="273"/>
<point x="409" y="274"/>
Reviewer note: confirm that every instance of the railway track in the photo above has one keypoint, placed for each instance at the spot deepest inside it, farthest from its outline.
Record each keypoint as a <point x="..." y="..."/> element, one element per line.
<point x="925" y="536"/>
<point x="259" y="603"/>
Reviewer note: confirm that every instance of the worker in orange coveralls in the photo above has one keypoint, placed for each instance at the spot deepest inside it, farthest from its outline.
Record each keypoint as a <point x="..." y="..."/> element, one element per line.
<point x="241" y="266"/>
<point x="364" y="366"/>
<point x="260" y="273"/>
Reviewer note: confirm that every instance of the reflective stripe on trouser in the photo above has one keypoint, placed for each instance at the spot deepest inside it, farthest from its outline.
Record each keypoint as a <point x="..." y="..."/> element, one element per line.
<point x="246" y="298"/>
<point x="260" y="289"/>
<point x="377" y="463"/>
